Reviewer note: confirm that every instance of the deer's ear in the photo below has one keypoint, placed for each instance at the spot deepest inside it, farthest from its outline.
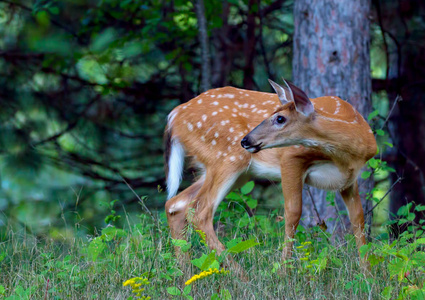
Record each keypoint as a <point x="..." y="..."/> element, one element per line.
<point x="301" y="100"/>
<point x="284" y="93"/>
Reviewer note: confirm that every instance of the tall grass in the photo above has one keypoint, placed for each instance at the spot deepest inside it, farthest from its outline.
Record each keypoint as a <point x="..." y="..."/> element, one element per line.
<point x="96" y="267"/>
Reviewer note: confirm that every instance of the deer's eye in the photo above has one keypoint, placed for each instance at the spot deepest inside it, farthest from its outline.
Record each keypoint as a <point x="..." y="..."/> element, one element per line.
<point x="280" y="119"/>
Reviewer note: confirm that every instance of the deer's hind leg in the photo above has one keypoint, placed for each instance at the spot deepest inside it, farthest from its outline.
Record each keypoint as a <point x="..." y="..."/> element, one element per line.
<point x="218" y="182"/>
<point x="177" y="209"/>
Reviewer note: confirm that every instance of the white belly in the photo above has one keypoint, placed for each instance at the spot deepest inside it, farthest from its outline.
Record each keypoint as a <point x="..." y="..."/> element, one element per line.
<point x="325" y="176"/>
<point x="262" y="170"/>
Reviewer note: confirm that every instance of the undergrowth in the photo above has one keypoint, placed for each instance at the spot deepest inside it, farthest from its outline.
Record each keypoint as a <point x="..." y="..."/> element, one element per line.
<point x="137" y="261"/>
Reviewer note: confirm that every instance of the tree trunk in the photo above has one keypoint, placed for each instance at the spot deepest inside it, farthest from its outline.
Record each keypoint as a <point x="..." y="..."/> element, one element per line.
<point x="331" y="57"/>
<point x="203" y="39"/>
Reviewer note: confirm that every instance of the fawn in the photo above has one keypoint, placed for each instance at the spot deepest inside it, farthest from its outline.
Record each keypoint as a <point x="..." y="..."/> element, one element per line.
<point x="233" y="134"/>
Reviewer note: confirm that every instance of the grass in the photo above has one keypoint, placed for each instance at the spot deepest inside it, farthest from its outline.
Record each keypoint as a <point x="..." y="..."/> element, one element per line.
<point x="96" y="267"/>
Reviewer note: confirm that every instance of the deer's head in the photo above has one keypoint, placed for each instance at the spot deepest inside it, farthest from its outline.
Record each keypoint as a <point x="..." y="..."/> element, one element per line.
<point x="288" y="125"/>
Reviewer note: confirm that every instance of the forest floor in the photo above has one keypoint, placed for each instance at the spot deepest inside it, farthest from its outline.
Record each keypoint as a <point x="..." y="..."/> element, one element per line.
<point x="96" y="267"/>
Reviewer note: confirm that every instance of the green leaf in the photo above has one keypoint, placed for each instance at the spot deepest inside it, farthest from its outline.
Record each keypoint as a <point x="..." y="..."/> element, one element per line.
<point x="420" y="241"/>
<point x="420" y="207"/>
<point x="365" y="249"/>
<point x="233" y="196"/>
<point x="411" y="216"/>
<point x="215" y="296"/>
<point x="387" y="292"/>
<point x="95" y="248"/>
<point x="242" y="246"/>
<point x="380" y="132"/>
<point x="389" y="144"/>
<point x="208" y="261"/>
<point x="173" y="291"/>
<point x="373" y="115"/>
<point x="225" y="294"/>
<point x="179" y="243"/>
<point x="187" y="289"/>
<point x="2" y="290"/>
<point x="366" y="174"/>
<point x="374" y="163"/>
<point x="252" y="203"/>
<point x="247" y="188"/>
<point x="404" y="210"/>
<point x="111" y="233"/>
<point x="103" y="40"/>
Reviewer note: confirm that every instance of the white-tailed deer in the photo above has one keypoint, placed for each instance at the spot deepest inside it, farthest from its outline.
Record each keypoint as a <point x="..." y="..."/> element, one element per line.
<point x="323" y="142"/>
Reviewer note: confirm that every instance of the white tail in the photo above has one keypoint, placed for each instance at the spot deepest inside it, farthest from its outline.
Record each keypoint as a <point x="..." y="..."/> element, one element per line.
<point x="323" y="142"/>
<point x="175" y="167"/>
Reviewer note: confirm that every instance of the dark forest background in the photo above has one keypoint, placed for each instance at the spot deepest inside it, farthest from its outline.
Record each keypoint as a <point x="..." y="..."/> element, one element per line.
<point x="85" y="88"/>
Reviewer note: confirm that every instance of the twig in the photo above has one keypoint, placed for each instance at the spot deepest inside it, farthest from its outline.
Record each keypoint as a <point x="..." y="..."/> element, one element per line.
<point x="143" y="204"/>
<point x="397" y="99"/>
<point x="314" y="206"/>
<point x="386" y="194"/>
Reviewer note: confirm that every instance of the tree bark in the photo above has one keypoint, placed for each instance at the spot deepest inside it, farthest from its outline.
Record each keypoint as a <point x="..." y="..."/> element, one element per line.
<point x="203" y="39"/>
<point x="331" y="57"/>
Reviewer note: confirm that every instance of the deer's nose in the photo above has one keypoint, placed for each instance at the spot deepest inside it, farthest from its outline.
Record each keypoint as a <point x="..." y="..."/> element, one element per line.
<point x="245" y="142"/>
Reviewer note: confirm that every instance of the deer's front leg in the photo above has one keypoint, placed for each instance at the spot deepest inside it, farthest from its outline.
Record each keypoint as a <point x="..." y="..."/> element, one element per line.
<point x="292" y="192"/>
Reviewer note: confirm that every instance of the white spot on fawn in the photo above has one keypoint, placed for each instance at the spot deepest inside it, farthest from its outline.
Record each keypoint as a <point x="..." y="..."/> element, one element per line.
<point x="240" y="157"/>
<point x="232" y="158"/>
<point x="233" y="115"/>
<point x="265" y="115"/>
<point x="212" y="96"/>
<point x="189" y="126"/>
<point x="254" y="110"/>
<point x="199" y="124"/>
<point x="214" y="113"/>
<point x="223" y="123"/>
<point x="200" y="101"/>
<point x="236" y="103"/>
<point x="216" y="134"/>
<point x="234" y="110"/>
<point x="215" y="103"/>
<point x="220" y="110"/>
<point x="213" y="142"/>
<point x="204" y="118"/>
<point x="226" y="107"/>
<point x="202" y="138"/>
<point x="231" y="129"/>
<point x="229" y="96"/>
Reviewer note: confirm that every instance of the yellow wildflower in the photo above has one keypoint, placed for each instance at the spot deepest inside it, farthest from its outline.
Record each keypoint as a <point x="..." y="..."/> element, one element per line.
<point x="204" y="274"/>
<point x="135" y="284"/>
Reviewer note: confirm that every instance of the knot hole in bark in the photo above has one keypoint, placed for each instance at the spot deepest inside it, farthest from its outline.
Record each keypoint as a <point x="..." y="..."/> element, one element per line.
<point x="334" y="56"/>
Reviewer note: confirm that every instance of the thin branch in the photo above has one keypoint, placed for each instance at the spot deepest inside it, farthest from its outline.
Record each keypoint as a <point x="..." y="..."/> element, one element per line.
<point x="397" y="100"/>
<point x="389" y="190"/>
<point x="143" y="204"/>
<point x="314" y="206"/>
